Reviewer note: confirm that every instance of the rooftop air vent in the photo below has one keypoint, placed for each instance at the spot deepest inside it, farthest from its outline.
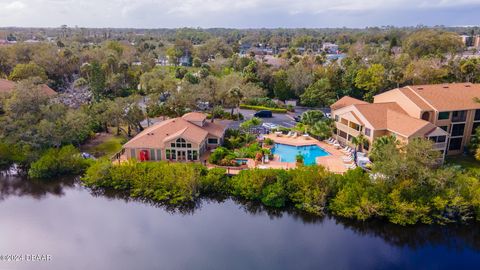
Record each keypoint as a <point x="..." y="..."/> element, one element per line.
<point x="419" y="88"/>
<point x="445" y="86"/>
<point x="467" y="85"/>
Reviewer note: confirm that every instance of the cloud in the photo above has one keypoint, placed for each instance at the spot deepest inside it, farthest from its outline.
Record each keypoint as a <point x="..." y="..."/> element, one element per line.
<point x="238" y="13"/>
<point x="13" y="6"/>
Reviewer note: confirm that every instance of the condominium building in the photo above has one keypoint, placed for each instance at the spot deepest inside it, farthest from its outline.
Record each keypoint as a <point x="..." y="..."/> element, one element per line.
<point x="448" y="114"/>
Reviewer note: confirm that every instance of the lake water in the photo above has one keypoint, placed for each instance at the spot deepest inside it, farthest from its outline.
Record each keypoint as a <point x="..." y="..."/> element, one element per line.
<point x="84" y="230"/>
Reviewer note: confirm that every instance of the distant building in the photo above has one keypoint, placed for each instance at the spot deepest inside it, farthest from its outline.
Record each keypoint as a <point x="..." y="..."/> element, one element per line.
<point x="7" y="87"/>
<point x="467" y="40"/>
<point x="476" y="41"/>
<point x="271" y="60"/>
<point x="330" y="48"/>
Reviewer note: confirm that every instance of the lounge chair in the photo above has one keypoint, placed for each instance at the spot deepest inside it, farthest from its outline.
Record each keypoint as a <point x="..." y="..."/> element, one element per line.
<point x="330" y="141"/>
<point x="351" y="166"/>
<point x="295" y="135"/>
<point x="290" y="134"/>
<point x="347" y="159"/>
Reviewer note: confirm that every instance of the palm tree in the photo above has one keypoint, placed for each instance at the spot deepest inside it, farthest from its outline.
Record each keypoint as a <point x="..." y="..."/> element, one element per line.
<point x="359" y="141"/>
<point x="236" y="96"/>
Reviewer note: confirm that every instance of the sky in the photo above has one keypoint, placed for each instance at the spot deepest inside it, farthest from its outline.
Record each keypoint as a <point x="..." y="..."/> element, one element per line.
<point x="238" y="13"/>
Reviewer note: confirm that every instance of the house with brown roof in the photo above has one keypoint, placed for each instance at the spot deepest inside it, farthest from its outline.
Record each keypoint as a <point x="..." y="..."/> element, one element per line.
<point x="185" y="138"/>
<point x="354" y="117"/>
<point x="447" y="114"/>
<point x="7" y="87"/>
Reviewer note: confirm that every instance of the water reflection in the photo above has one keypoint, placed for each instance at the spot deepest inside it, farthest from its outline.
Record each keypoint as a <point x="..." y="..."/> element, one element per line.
<point x="453" y="237"/>
<point x="38" y="189"/>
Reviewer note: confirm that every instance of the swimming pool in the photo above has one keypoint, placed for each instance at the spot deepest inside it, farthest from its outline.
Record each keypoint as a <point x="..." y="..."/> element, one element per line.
<point x="287" y="153"/>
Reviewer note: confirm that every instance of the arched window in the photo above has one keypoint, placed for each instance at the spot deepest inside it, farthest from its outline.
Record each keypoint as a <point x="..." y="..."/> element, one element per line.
<point x="181" y="142"/>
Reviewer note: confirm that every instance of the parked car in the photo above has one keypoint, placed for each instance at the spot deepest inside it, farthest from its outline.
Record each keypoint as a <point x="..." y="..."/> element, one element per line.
<point x="328" y="115"/>
<point x="263" y="114"/>
<point x="270" y="125"/>
<point x="297" y="118"/>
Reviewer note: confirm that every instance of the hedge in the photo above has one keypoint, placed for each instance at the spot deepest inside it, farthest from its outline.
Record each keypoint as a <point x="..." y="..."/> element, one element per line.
<point x="261" y="108"/>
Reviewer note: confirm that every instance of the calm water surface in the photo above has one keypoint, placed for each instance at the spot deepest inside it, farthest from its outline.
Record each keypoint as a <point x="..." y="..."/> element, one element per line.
<point x="84" y="230"/>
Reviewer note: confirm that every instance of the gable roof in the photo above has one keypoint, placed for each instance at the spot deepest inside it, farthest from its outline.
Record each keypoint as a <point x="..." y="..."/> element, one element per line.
<point x="448" y="97"/>
<point x="389" y="116"/>
<point x="376" y="113"/>
<point x="415" y="99"/>
<point x="346" y="101"/>
<point x="194" y="116"/>
<point x="157" y="135"/>
<point x="406" y="125"/>
<point x="7" y="87"/>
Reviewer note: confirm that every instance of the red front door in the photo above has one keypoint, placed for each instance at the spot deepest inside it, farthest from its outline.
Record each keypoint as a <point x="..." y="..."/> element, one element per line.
<point x="144" y="156"/>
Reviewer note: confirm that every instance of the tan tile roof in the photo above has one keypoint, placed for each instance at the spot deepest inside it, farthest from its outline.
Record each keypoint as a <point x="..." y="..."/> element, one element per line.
<point x="376" y="113"/>
<point x="415" y="99"/>
<point x="449" y="97"/>
<point x="406" y="125"/>
<point x="157" y="135"/>
<point x="7" y="87"/>
<point x="346" y="101"/>
<point x="194" y="116"/>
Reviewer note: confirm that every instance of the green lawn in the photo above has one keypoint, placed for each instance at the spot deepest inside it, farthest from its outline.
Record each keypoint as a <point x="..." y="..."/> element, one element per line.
<point x="467" y="162"/>
<point x="104" y="145"/>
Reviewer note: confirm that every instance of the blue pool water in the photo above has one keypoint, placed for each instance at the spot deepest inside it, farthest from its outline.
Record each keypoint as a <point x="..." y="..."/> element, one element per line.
<point x="288" y="153"/>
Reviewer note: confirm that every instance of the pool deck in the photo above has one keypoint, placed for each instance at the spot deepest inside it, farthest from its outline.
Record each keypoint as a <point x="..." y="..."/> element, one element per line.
<point x="333" y="162"/>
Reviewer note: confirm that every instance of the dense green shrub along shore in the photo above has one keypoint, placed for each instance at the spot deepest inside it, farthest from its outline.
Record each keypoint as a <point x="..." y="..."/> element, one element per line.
<point x="451" y="197"/>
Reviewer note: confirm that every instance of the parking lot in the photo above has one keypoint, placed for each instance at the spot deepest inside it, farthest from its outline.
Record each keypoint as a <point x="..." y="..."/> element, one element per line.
<point x="281" y="119"/>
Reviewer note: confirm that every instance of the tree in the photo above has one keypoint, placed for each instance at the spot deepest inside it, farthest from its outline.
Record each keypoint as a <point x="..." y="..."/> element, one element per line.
<point x="97" y="81"/>
<point x="318" y="94"/>
<point x="236" y="95"/>
<point x="371" y="79"/>
<point x="427" y="42"/>
<point x="359" y="141"/>
<point x="312" y="117"/>
<point x="281" y="87"/>
<point x="25" y="71"/>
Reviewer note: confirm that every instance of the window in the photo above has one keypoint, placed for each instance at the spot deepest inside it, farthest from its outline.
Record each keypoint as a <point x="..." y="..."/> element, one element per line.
<point x="477" y="115"/>
<point x="159" y="154"/>
<point x="132" y="153"/>
<point x="444" y="128"/>
<point x="172" y="145"/>
<point x="475" y="126"/>
<point x="174" y="154"/>
<point x="455" y="144"/>
<point x="443" y="115"/>
<point x="438" y="139"/>
<point x="189" y="155"/>
<point x="195" y="155"/>
<point x="212" y="141"/>
<point x="167" y="154"/>
<point x="336" y="118"/>
<point x="458" y="129"/>
<point x="181" y="143"/>
<point x="459" y="116"/>
<point x="152" y="154"/>
<point x="367" y="131"/>
<point x="342" y="134"/>
<point x="189" y="145"/>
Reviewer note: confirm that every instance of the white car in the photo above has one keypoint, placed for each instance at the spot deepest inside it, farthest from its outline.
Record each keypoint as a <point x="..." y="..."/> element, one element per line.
<point x="270" y="125"/>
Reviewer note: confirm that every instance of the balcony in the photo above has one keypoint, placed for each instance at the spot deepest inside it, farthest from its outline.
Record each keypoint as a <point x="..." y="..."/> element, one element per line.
<point x="348" y="129"/>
